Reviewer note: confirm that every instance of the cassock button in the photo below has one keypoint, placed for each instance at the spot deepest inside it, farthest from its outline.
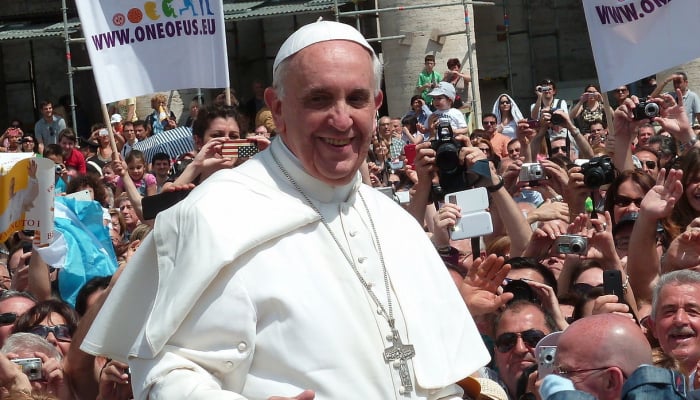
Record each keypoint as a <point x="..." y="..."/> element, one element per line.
<point x="242" y="346"/>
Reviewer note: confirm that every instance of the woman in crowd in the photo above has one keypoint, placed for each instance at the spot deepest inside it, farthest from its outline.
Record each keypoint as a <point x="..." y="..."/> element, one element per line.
<point x="53" y="320"/>
<point x="28" y="144"/>
<point x="589" y="109"/>
<point x="104" y="151"/>
<point x="507" y="115"/>
<point x="626" y="192"/>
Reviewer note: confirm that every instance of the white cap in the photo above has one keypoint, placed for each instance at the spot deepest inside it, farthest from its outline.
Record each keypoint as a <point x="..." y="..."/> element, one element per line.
<point x="115" y="118"/>
<point x="444" y="89"/>
<point x="317" y="32"/>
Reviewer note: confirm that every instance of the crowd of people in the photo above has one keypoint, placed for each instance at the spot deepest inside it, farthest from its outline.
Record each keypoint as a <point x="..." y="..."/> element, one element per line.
<point x="258" y="282"/>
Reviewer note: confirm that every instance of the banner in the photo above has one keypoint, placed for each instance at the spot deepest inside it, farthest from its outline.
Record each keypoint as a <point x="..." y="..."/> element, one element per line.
<point x="26" y="196"/>
<point x="632" y="39"/>
<point x="139" y="47"/>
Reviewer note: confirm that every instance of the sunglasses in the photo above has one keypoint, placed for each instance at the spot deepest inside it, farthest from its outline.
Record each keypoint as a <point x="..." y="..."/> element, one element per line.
<point x="650" y="164"/>
<point x="621" y="90"/>
<point x="61" y="332"/>
<point x="559" y="149"/>
<point x="394" y="183"/>
<point x="506" y="341"/>
<point x="624" y="201"/>
<point x="504" y="102"/>
<point x="7" y="318"/>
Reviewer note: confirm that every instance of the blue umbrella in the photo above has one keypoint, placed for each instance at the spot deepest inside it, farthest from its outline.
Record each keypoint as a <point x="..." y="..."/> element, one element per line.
<point x="172" y="142"/>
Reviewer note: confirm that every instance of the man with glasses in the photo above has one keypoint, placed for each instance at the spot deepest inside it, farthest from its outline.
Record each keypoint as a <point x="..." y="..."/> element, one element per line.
<point x="499" y="141"/>
<point x="607" y="357"/>
<point x="13" y="304"/>
<point x="649" y="161"/>
<point x="47" y="128"/>
<point x="517" y="329"/>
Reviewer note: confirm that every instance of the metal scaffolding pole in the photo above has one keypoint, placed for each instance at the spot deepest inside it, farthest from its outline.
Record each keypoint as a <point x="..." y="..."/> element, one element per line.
<point x="67" y="39"/>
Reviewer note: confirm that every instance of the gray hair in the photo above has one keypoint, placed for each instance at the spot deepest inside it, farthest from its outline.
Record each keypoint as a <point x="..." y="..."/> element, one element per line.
<point x="279" y="75"/>
<point x="680" y="277"/>
<point x="24" y="342"/>
<point x="9" y="294"/>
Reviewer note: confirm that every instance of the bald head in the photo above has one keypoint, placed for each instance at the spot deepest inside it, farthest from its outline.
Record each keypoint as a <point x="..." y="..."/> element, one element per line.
<point x="609" y="339"/>
<point x="598" y="343"/>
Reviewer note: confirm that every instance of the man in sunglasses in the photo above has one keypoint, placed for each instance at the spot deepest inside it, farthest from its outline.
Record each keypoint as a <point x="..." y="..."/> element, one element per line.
<point x="517" y="329"/>
<point x="13" y="304"/>
<point x="499" y="141"/>
<point x="649" y="161"/>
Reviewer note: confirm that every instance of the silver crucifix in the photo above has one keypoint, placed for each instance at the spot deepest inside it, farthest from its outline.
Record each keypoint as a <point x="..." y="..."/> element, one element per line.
<point x="400" y="352"/>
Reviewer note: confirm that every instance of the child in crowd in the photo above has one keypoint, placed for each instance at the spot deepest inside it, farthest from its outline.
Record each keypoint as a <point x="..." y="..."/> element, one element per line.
<point x="136" y="166"/>
<point x="428" y="79"/>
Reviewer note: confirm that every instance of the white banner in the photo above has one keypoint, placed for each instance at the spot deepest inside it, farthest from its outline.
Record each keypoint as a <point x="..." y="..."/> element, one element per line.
<point x="632" y="39"/>
<point x="139" y="47"/>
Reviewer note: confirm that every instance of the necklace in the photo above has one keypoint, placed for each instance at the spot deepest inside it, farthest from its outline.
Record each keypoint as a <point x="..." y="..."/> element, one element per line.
<point x="397" y="352"/>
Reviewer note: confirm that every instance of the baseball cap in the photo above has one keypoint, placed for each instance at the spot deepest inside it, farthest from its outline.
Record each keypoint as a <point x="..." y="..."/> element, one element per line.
<point x="115" y="119"/>
<point x="316" y="32"/>
<point x="444" y="89"/>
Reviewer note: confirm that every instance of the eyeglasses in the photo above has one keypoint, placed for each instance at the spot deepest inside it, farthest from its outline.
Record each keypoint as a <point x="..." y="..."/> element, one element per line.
<point x="506" y="341"/>
<point x="504" y="102"/>
<point x="394" y="183"/>
<point x="560" y="149"/>
<point x="7" y="318"/>
<point x="61" y="332"/>
<point x="563" y="372"/>
<point x="513" y="151"/>
<point x="489" y="122"/>
<point x="624" y="201"/>
<point x="650" y="164"/>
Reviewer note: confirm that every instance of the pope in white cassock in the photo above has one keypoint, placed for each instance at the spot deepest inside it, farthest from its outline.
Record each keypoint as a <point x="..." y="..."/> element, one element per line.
<point x="312" y="291"/>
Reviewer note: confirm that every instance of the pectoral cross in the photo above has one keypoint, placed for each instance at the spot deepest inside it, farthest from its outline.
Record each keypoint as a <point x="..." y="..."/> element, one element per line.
<point x="399" y="353"/>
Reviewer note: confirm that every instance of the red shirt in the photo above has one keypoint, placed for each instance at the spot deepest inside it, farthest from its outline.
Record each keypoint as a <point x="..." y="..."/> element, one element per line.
<point x="76" y="160"/>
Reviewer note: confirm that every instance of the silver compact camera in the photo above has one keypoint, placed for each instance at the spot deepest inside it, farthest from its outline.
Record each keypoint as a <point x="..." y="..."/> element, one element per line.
<point x="571" y="244"/>
<point x="30" y="367"/>
<point x="531" y="172"/>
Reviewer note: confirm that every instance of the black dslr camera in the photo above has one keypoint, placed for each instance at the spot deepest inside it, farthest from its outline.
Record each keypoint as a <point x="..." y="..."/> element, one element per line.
<point x="598" y="171"/>
<point x="452" y="175"/>
<point x="646" y="110"/>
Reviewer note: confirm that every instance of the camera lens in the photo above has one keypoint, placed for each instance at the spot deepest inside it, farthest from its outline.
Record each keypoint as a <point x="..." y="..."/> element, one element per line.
<point x="447" y="157"/>
<point x="557" y="119"/>
<point x="651" y="110"/>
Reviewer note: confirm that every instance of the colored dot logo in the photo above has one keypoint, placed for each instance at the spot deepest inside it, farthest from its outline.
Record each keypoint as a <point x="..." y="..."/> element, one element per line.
<point x="135" y="15"/>
<point x="118" y="19"/>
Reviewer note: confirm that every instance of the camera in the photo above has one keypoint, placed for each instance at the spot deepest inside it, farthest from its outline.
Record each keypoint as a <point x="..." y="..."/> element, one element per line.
<point x="30" y="367"/>
<point x="452" y="175"/>
<point x="571" y="244"/>
<point x="531" y="172"/>
<point x="396" y="165"/>
<point x="544" y="88"/>
<point x="557" y="119"/>
<point x="598" y="171"/>
<point x="646" y="110"/>
<point x="521" y="290"/>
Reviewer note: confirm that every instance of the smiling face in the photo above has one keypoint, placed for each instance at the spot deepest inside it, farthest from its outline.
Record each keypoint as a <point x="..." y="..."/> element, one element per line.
<point x="512" y="363"/>
<point x="677" y="322"/>
<point x="327" y="118"/>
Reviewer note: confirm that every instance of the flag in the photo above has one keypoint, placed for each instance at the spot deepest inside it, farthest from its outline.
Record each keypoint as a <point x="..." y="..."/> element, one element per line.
<point x="139" y="47"/>
<point x="81" y="249"/>
<point x="633" y="39"/>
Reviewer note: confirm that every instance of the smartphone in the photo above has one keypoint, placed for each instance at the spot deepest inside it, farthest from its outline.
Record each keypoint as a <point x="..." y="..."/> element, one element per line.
<point x="475" y="221"/>
<point x="409" y="151"/>
<point x="30" y="367"/>
<point x="239" y="148"/>
<point x="152" y="205"/>
<point x="533" y="124"/>
<point x="612" y="284"/>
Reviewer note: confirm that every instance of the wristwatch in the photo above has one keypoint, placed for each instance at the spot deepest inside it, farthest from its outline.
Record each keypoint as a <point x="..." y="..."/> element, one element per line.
<point x="497" y="186"/>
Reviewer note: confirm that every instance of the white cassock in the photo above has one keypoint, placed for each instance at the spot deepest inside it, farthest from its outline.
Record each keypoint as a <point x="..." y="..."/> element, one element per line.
<point x="241" y="292"/>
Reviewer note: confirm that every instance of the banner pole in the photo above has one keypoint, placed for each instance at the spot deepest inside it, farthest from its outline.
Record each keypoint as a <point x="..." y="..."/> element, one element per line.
<point x="228" y="96"/>
<point x="112" y="142"/>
